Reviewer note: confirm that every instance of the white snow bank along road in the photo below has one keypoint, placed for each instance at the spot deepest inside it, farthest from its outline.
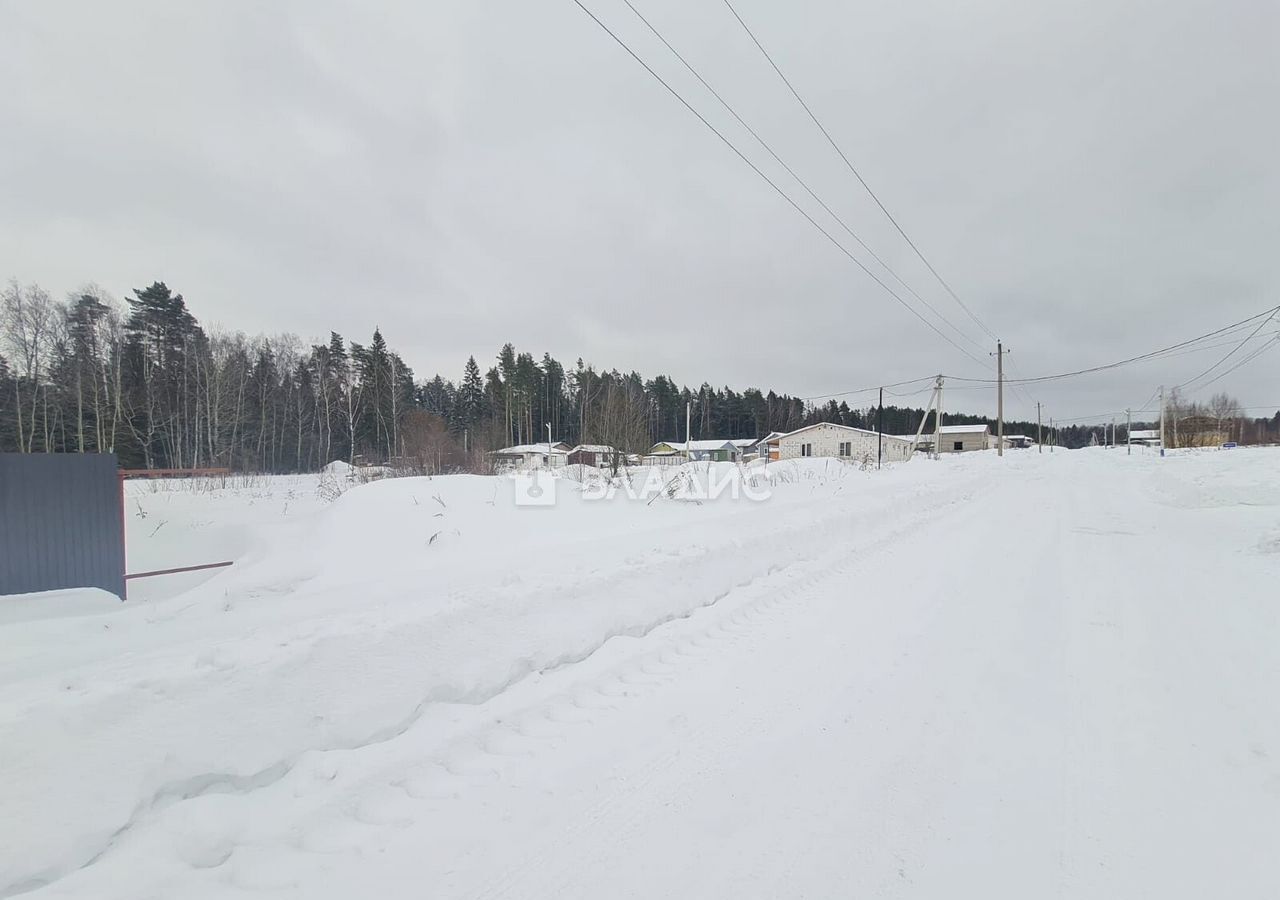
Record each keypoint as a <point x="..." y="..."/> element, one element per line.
<point x="344" y="628"/>
<point x="1050" y="676"/>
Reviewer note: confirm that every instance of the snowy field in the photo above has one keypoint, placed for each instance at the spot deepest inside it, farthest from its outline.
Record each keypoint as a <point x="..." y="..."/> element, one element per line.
<point x="1047" y="675"/>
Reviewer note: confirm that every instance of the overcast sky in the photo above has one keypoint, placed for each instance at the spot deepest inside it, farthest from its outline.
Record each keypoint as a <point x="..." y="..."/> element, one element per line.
<point x="1095" y="180"/>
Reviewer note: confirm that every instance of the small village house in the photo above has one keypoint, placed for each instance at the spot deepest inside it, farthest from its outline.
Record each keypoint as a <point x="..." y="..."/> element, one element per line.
<point x="530" y="456"/>
<point x="839" y="441"/>
<point x="598" y="455"/>
<point x="964" y="438"/>
<point x="666" y="453"/>
<point x="766" y="448"/>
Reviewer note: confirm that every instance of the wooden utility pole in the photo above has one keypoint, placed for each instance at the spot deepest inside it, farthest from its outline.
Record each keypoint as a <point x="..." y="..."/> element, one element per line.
<point x="999" y="355"/>
<point x="1128" y="429"/>
<point x="1039" y="442"/>
<point x="1053" y="435"/>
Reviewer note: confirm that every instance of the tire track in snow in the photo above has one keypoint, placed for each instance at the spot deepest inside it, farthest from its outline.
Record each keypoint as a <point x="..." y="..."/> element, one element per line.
<point x="178" y="791"/>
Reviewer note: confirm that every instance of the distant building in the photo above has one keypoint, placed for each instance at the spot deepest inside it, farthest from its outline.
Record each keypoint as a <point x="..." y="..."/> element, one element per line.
<point x="1146" y="437"/>
<point x="963" y="438"/>
<point x="839" y="441"/>
<point x="766" y="447"/>
<point x="1018" y="441"/>
<point x="530" y="456"/>
<point x="666" y="453"/>
<point x="600" y="456"/>
<point x="957" y="439"/>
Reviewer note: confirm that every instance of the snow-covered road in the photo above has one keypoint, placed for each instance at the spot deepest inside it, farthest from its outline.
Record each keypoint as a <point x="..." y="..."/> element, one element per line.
<point x="1051" y="676"/>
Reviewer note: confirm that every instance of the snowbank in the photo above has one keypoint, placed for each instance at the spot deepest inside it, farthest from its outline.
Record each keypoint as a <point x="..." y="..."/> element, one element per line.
<point x="140" y="747"/>
<point x="56" y="604"/>
<point x="337" y="628"/>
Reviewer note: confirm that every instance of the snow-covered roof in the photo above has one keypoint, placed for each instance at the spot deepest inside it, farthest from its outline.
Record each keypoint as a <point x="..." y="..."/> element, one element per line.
<point x="1144" y="434"/>
<point x="743" y="442"/>
<point x="593" y="448"/>
<point x="892" y="437"/>
<point x="696" y="445"/>
<point x="966" y="429"/>
<point x="528" y="448"/>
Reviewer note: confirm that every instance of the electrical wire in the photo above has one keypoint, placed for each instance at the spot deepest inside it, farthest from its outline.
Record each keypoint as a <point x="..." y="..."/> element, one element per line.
<point x="1248" y="359"/>
<point x="868" y="390"/>
<point x="857" y="174"/>
<point x="796" y="206"/>
<point x="1230" y="353"/>
<point x="1129" y="361"/>
<point x="800" y="181"/>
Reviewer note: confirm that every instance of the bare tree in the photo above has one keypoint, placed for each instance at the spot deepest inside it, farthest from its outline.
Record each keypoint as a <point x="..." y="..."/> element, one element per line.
<point x="28" y="318"/>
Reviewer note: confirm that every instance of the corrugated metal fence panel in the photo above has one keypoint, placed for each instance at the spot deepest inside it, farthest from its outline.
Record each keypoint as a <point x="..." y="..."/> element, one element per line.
<point x="60" y="523"/>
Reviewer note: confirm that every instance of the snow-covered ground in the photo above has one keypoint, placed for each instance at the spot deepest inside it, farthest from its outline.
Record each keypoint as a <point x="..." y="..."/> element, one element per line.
<point x="1044" y="675"/>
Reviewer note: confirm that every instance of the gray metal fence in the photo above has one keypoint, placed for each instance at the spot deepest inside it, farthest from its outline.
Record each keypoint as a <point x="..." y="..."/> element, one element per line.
<point x="61" y="523"/>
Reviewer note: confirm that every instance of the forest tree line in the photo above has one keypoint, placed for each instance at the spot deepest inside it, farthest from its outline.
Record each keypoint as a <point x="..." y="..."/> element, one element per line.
<point x="144" y="380"/>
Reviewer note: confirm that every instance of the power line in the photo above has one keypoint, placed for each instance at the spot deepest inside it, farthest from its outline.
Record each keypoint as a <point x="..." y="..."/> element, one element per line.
<point x="1248" y="359"/>
<point x="1229" y="354"/>
<point x="778" y="159"/>
<point x="1133" y="359"/>
<point x="867" y="390"/>
<point x="812" y="221"/>
<point x="857" y="174"/>
<point x="982" y="383"/>
<point x="1096" y="416"/>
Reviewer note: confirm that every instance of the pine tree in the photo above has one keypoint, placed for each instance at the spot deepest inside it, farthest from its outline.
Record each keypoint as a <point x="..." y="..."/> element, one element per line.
<point x="470" y="406"/>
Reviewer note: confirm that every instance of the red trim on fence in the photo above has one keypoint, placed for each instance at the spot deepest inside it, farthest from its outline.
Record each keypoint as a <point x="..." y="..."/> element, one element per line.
<point x="124" y="541"/>
<point x="158" y="473"/>
<point x="217" y="565"/>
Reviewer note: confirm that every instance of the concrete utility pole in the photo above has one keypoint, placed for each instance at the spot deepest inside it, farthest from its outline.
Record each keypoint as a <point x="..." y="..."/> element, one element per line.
<point x="880" y="431"/>
<point x="548" y="445"/>
<point x="1053" y="435"/>
<point x="1039" y="442"/>
<point x="932" y="404"/>
<point x="688" y="411"/>
<point x="937" y="423"/>
<point x="1162" y="420"/>
<point x="999" y="355"/>
<point x="1128" y="429"/>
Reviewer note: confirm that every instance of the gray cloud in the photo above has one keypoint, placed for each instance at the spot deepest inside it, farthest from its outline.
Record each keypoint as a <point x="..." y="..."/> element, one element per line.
<point x="1096" y="180"/>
